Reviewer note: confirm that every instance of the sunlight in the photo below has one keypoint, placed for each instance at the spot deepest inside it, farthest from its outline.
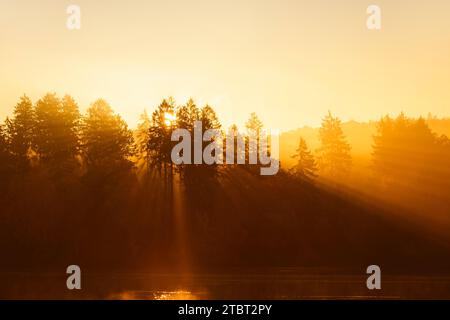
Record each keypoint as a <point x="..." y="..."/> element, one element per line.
<point x="169" y="118"/>
<point x="156" y="295"/>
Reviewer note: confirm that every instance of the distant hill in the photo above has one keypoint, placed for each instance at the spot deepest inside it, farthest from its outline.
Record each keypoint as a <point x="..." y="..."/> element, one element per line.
<point x="359" y="135"/>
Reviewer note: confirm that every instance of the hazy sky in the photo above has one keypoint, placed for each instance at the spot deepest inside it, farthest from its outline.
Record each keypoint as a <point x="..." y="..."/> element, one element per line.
<point x="290" y="61"/>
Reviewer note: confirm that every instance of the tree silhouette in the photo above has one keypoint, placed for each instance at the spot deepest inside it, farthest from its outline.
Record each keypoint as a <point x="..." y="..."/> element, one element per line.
<point x="71" y="120"/>
<point x="20" y="132"/>
<point x="334" y="157"/>
<point x="199" y="179"/>
<point x="159" y="143"/>
<point x="187" y="114"/>
<point x="254" y="124"/>
<point x="306" y="167"/>
<point x="254" y="127"/>
<point x="141" y="139"/>
<point x="107" y="141"/>
<point x="56" y="137"/>
<point x="209" y="118"/>
<point x="403" y="148"/>
<point x="4" y="149"/>
<point x="225" y="217"/>
<point x="237" y="157"/>
<point x="47" y="137"/>
<point x="197" y="174"/>
<point x="5" y="156"/>
<point x="210" y="121"/>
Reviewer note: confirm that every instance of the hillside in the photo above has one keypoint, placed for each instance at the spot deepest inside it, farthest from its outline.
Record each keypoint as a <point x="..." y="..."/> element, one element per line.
<point x="359" y="136"/>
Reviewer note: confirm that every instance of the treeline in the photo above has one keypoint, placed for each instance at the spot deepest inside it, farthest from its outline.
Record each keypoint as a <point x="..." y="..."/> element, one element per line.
<point x="409" y="167"/>
<point x="86" y="189"/>
<point x="53" y="135"/>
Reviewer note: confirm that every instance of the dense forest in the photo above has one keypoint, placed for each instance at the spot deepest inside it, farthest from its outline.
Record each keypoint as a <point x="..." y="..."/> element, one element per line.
<point x="86" y="189"/>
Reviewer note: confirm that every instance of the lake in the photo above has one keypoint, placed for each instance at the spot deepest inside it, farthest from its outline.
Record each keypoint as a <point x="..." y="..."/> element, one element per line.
<point x="278" y="284"/>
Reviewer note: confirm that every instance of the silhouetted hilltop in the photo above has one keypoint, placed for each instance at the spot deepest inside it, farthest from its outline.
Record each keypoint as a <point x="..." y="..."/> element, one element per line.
<point x="359" y="135"/>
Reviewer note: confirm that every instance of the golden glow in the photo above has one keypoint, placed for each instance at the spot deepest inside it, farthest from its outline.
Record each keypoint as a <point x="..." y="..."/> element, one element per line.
<point x="175" y="295"/>
<point x="169" y="118"/>
<point x="156" y="295"/>
<point x="289" y="61"/>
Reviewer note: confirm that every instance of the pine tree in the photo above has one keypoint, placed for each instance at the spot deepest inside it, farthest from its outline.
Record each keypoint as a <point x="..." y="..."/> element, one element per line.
<point x="254" y="127"/>
<point x="253" y="124"/>
<point x="5" y="155"/>
<point x="159" y="143"/>
<point x="403" y="149"/>
<point x="47" y="138"/>
<point x="209" y="118"/>
<point x="20" y="131"/>
<point x="142" y="136"/>
<point x="71" y="120"/>
<point x="334" y="157"/>
<point x="107" y="141"/>
<point x="56" y="138"/>
<point x="187" y="115"/>
<point x="306" y="167"/>
<point x="234" y="134"/>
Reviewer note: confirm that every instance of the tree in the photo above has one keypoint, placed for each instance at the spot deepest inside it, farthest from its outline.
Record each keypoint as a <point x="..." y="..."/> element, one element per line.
<point x="403" y="149"/>
<point x="238" y="143"/>
<point x="71" y="120"/>
<point x="47" y="137"/>
<point x="56" y="137"/>
<point x="187" y="115"/>
<point x="254" y="127"/>
<point x="19" y="132"/>
<point x="107" y="141"/>
<point x="209" y="118"/>
<point x="210" y="121"/>
<point x="4" y="150"/>
<point x="159" y="143"/>
<point x="334" y="157"/>
<point x="253" y="124"/>
<point x="199" y="179"/>
<point x="141" y="139"/>
<point x="305" y="168"/>
<point x="5" y="156"/>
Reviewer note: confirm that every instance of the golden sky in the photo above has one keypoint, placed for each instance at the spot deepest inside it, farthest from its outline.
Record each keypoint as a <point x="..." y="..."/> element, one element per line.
<point x="288" y="60"/>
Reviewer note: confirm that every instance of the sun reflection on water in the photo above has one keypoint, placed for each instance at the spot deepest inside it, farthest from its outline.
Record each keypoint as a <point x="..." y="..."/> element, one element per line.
<point x="175" y="295"/>
<point x="156" y="295"/>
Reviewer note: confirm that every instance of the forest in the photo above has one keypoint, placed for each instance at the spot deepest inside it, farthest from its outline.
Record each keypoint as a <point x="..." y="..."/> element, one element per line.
<point x="87" y="189"/>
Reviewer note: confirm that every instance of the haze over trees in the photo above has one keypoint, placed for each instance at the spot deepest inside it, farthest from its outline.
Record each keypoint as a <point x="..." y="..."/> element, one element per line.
<point x="334" y="153"/>
<point x="412" y="162"/>
<point x="107" y="143"/>
<point x="87" y="188"/>
<point x="306" y="167"/>
<point x="19" y="132"/>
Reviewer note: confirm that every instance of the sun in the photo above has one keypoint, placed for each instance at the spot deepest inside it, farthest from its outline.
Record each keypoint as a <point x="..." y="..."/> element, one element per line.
<point x="169" y="118"/>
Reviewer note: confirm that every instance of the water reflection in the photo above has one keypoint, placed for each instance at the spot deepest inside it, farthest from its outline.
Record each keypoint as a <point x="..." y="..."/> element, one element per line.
<point x="277" y="284"/>
<point x="156" y="295"/>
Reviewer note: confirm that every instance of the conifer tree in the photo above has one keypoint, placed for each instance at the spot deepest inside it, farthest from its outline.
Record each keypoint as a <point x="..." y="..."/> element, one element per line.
<point x="334" y="157"/>
<point x="107" y="141"/>
<point x="20" y="131"/>
<point x="159" y="143"/>
<point x="305" y="167"/>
